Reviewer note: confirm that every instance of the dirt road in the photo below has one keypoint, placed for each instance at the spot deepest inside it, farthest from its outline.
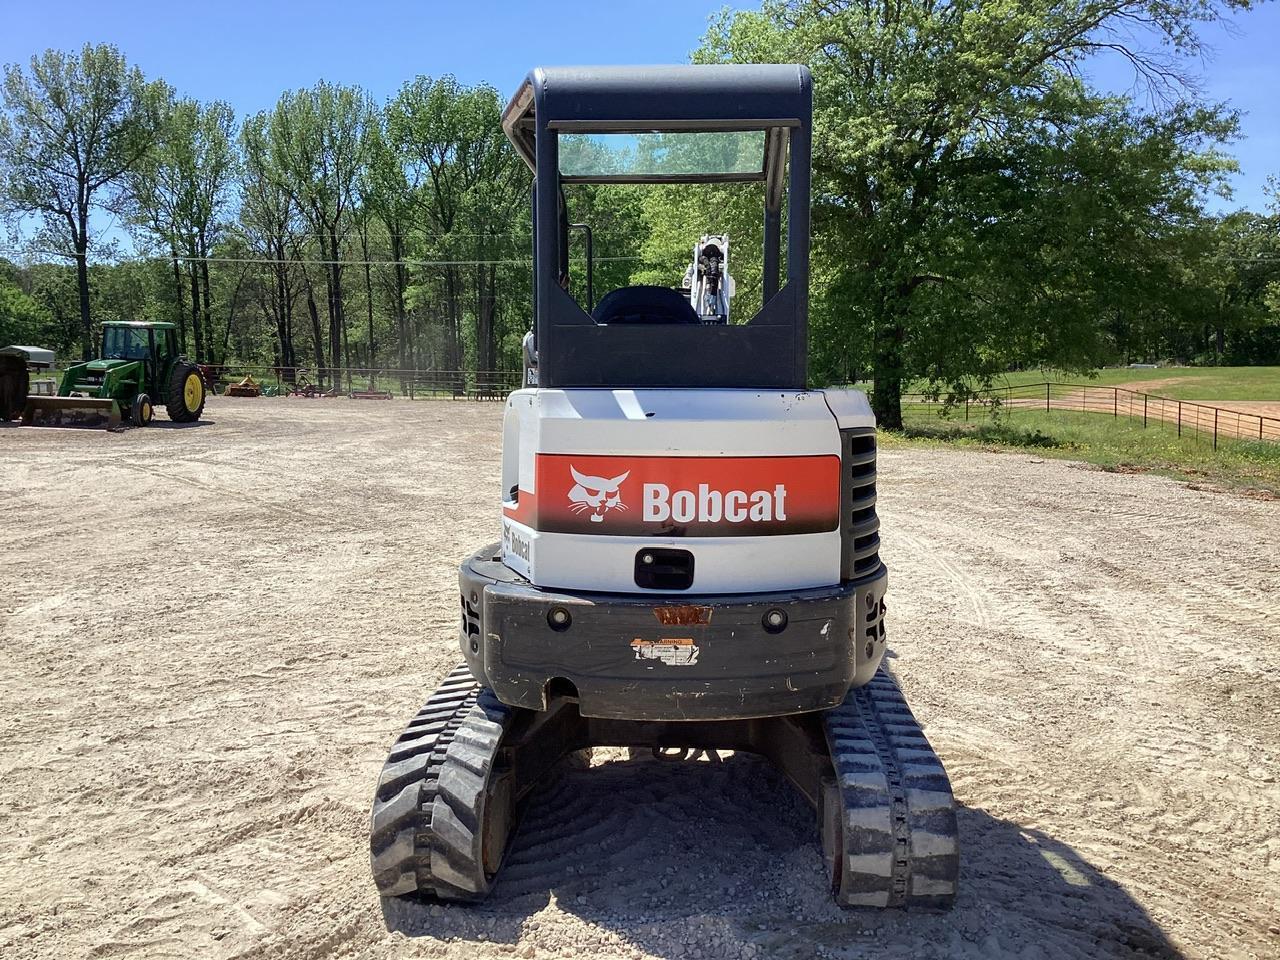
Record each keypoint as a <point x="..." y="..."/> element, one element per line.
<point x="209" y="636"/>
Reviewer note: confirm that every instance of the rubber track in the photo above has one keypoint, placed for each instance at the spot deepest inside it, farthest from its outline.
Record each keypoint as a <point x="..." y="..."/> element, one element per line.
<point x="426" y="835"/>
<point x="900" y="845"/>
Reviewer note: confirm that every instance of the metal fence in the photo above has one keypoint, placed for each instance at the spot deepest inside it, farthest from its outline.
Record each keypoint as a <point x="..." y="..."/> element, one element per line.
<point x="1196" y="420"/>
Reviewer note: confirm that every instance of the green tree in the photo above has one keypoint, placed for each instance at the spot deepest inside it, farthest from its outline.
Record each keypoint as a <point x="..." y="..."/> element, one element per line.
<point x="1240" y="277"/>
<point x="935" y="124"/>
<point x="472" y="187"/>
<point x="179" y="194"/>
<point x="391" y="196"/>
<point x="22" y="319"/>
<point x="76" y="124"/>
<point x="268" y="224"/>
<point x="318" y="140"/>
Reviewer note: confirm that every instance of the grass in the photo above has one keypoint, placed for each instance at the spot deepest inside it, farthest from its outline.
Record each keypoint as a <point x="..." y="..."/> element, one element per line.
<point x="1116" y="445"/>
<point x="1221" y="384"/>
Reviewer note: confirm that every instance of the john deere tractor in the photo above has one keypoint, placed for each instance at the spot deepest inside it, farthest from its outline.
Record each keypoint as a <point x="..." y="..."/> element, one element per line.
<point x="140" y="367"/>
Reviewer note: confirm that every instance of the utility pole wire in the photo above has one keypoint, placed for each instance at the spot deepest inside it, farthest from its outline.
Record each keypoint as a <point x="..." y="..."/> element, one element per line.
<point x="270" y="261"/>
<point x="527" y="262"/>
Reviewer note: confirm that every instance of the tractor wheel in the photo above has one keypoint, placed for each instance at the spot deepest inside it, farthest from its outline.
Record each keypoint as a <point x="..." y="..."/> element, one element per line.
<point x="184" y="398"/>
<point x="140" y="412"/>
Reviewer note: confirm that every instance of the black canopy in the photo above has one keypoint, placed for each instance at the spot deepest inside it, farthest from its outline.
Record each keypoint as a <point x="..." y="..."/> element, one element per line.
<point x="574" y="350"/>
<point x="656" y="99"/>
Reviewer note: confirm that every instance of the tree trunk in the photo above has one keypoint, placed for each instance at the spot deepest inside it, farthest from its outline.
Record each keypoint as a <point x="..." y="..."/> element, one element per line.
<point x="182" y="313"/>
<point x="196" y="330"/>
<point x="368" y="297"/>
<point x="316" y="332"/>
<point x="489" y="310"/>
<point x="292" y="352"/>
<point x="453" y="352"/>
<point x="278" y="315"/>
<point x="484" y="319"/>
<point x="231" y="314"/>
<point x="337" y="321"/>
<point x="82" y="286"/>
<point x="284" y="309"/>
<point x="207" y="314"/>
<point x="401" y="283"/>
<point x="886" y="399"/>
<point x="346" y="354"/>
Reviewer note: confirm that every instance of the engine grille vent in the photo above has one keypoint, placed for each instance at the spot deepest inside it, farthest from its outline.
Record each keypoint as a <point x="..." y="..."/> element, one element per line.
<point x="859" y="524"/>
<point x="470" y="622"/>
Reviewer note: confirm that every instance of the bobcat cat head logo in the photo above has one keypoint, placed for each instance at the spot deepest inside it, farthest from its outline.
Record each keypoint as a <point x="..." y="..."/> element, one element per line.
<point x="597" y="495"/>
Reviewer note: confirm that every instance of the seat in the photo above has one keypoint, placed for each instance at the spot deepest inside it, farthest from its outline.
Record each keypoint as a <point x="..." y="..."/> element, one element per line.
<point x="644" y="304"/>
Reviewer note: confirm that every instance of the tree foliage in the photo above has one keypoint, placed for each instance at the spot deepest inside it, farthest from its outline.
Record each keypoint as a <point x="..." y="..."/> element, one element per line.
<point x="179" y="197"/>
<point x="317" y="142"/>
<point x="977" y="205"/>
<point x="75" y="126"/>
<point x="979" y="199"/>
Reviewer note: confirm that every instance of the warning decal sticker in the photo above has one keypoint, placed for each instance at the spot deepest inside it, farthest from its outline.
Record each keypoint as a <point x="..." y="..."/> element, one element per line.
<point x="679" y="652"/>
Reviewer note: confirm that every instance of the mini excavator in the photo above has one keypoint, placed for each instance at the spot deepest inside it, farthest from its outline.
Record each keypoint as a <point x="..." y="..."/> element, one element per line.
<point x="690" y="552"/>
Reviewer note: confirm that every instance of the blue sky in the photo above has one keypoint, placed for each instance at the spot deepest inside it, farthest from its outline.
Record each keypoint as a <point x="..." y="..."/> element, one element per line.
<point x="247" y="53"/>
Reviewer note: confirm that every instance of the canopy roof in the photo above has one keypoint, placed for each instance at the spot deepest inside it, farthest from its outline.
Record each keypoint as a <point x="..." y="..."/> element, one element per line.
<point x="38" y="356"/>
<point x="660" y="99"/>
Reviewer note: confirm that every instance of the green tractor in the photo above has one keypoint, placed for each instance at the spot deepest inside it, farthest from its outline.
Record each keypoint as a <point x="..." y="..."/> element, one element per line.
<point x="140" y="367"/>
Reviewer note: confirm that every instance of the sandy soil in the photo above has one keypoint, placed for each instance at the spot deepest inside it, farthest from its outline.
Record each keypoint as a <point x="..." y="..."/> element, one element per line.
<point x="210" y="635"/>
<point x="1235" y="426"/>
<point x="1262" y="408"/>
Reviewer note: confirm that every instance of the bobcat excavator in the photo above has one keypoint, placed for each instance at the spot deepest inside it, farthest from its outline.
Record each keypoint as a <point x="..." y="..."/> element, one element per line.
<point x="689" y="556"/>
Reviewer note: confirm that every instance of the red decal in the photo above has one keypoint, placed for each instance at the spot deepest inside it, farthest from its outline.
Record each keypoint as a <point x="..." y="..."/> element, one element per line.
<point x="524" y="511"/>
<point x="685" y="496"/>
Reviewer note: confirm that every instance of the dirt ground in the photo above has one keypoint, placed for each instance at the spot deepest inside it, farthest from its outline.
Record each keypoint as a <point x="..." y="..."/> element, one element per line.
<point x="1261" y="408"/>
<point x="210" y="635"/>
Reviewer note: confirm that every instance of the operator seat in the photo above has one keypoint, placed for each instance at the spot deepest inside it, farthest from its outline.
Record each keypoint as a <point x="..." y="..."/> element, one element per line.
<point x="644" y="304"/>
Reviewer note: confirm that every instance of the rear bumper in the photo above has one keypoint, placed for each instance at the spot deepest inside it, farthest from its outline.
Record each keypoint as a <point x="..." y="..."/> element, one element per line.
<point x="648" y="657"/>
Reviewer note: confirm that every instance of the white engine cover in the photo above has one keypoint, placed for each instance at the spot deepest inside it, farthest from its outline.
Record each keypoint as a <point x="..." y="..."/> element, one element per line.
<point x="748" y="481"/>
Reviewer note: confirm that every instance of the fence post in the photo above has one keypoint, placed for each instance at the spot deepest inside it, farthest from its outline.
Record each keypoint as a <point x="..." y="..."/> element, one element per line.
<point x="1046" y="396"/>
<point x="966" y="409"/>
<point x="1115" y="403"/>
<point x="1179" y="418"/>
<point x="1215" y="428"/>
<point x="1144" y="411"/>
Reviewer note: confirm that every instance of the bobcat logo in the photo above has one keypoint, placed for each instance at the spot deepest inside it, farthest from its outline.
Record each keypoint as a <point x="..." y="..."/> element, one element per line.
<point x="596" y="494"/>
